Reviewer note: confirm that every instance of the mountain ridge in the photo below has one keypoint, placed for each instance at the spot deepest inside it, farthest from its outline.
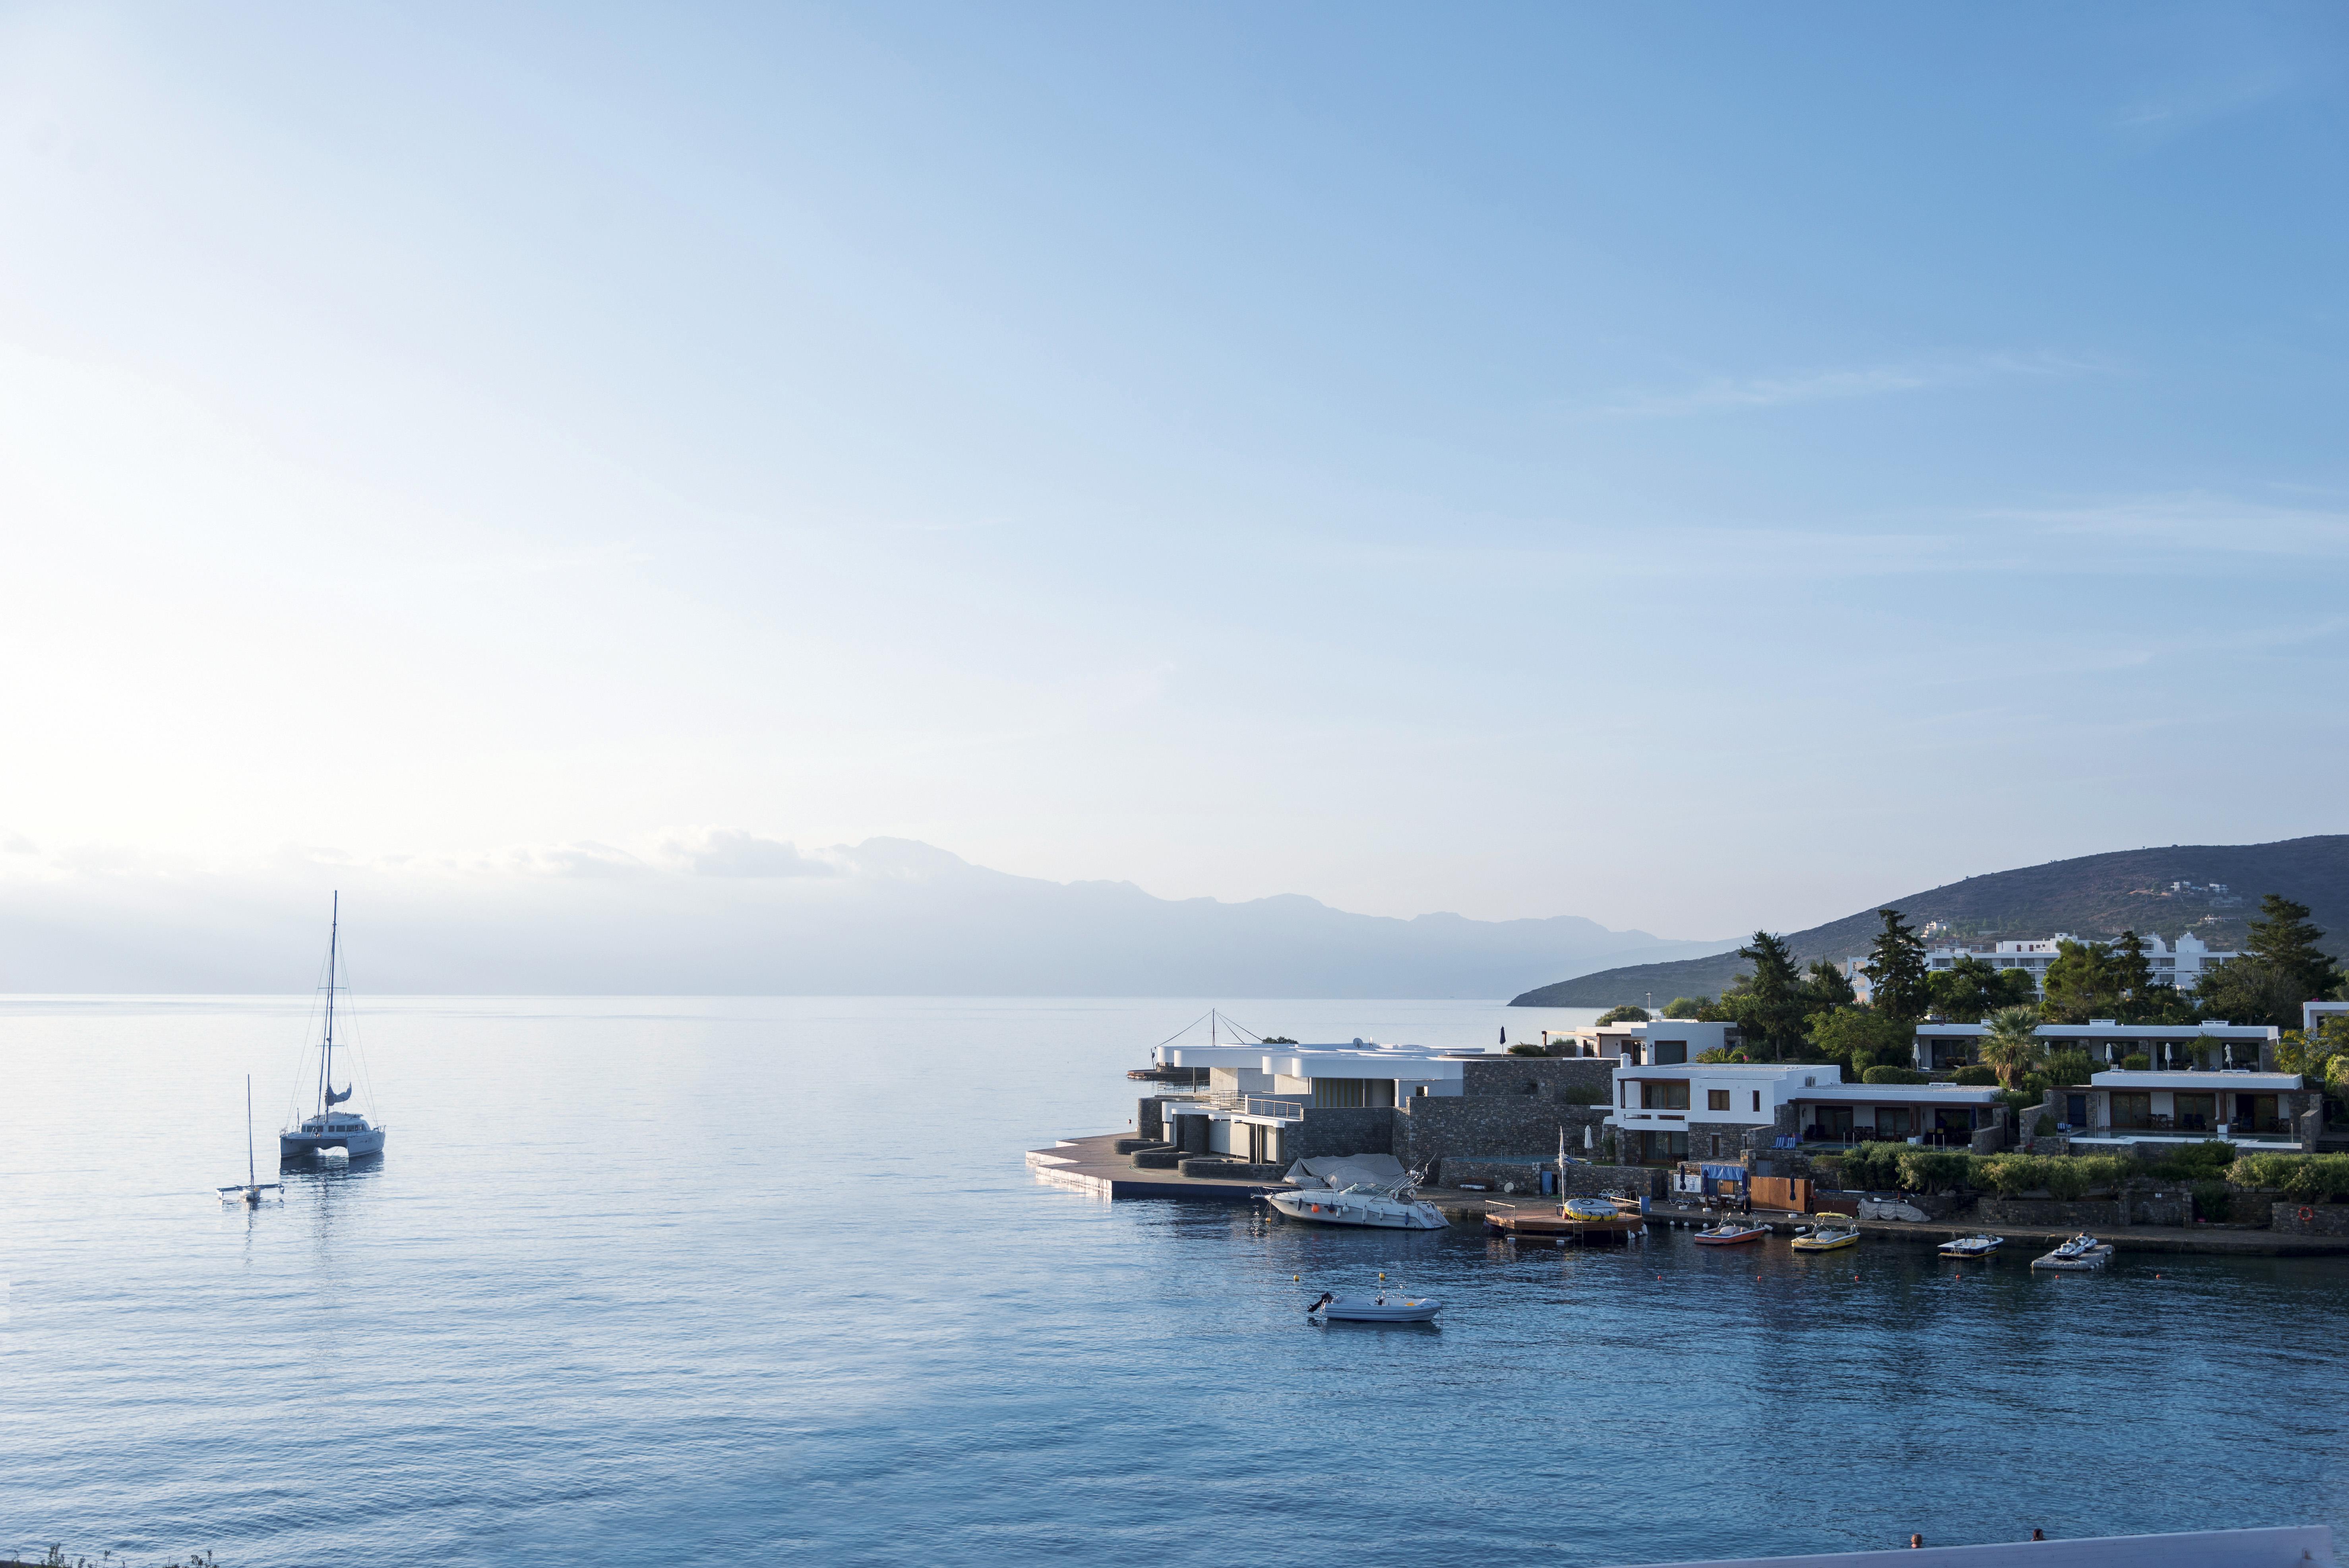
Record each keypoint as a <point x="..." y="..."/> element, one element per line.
<point x="2095" y="896"/>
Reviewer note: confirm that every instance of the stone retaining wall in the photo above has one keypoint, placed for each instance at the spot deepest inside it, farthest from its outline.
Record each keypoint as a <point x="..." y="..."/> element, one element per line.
<point x="1330" y="1129"/>
<point x="1435" y="1127"/>
<point x="1216" y="1166"/>
<point x="1499" y="1175"/>
<point x="1530" y="1077"/>
<point x="2323" y="1219"/>
<point x="2081" y="1215"/>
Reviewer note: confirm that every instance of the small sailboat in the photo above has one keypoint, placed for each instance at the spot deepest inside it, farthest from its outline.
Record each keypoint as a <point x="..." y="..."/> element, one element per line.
<point x="1730" y="1233"/>
<point x="1826" y="1238"/>
<point x="2082" y="1252"/>
<point x="1980" y="1246"/>
<point x="331" y="1129"/>
<point x="1380" y="1308"/>
<point x="250" y="1193"/>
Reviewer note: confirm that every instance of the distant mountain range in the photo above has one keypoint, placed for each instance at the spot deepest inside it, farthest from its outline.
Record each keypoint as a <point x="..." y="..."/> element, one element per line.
<point x="2095" y="896"/>
<point x="731" y="914"/>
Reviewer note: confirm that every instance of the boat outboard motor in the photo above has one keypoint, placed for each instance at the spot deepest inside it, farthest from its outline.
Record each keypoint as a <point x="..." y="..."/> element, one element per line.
<point x="1326" y="1299"/>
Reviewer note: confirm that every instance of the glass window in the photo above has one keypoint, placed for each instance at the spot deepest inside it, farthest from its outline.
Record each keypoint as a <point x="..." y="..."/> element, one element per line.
<point x="2075" y="1109"/>
<point x="1655" y="1094"/>
<point x="1757" y="1099"/>
<point x="1717" y="1099"/>
<point x="2132" y="1110"/>
<point x="2195" y="1112"/>
<point x="1670" y="1053"/>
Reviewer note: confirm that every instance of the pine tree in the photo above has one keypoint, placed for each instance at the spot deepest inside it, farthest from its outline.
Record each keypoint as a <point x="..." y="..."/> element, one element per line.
<point x="1896" y="969"/>
<point x="2285" y="942"/>
<point x="1769" y="1003"/>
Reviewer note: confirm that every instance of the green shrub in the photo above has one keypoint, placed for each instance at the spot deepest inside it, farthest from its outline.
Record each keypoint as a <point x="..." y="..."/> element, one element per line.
<point x="1717" y="1054"/>
<point x="1974" y="1076"/>
<point x="2010" y="1174"/>
<point x="2067" y="1179"/>
<point x="1894" y="1075"/>
<point x="2070" y="1066"/>
<point x="1871" y="1166"/>
<point x="2310" y="1177"/>
<point x="2043" y="1126"/>
<point x="1934" y="1170"/>
<point x="1527" y="1048"/>
<point x="2136" y="1064"/>
<point x="2212" y="1200"/>
<point x="2099" y="1171"/>
<point x="2205" y="1161"/>
<point x="1625" y="1014"/>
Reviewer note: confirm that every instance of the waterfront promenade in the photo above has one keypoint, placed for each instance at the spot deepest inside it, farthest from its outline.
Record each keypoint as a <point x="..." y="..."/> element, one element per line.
<point x="1092" y="1165"/>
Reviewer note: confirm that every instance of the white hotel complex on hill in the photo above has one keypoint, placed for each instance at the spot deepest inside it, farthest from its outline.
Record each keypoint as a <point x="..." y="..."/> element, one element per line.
<point x="2182" y="964"/>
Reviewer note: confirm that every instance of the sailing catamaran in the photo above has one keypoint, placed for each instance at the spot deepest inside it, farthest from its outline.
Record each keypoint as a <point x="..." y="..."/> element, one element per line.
<point x="254" y="1186"/>
<point x="331" y="1129"/>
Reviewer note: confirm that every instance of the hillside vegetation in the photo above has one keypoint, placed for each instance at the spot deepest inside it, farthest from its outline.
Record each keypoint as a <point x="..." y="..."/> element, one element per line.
<point x="2096" y="896"/>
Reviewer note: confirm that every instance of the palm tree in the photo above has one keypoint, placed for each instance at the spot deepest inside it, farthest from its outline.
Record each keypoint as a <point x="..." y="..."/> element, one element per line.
<point x="2010" y="1043"/>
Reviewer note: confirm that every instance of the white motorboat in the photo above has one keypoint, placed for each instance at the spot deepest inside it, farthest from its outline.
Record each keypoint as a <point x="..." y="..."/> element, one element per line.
<point x="329" y="1128"/>
<point x="1382" y="1307"/>
<point x="2082" y="1252"/>
<point x="250" y="1194"/>
<point x="1980" y="1246"/>
<point x="1361" y="1203"/>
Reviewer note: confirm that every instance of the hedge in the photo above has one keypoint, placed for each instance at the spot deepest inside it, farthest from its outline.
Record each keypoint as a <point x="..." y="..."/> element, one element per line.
<point x="2304" y="1176"/>
<point x="1894" y="1075"/>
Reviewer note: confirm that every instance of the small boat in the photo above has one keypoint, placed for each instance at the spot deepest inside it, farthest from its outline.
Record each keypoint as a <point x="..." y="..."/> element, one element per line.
<point x="1380" y="1308"/>
<point x="1826" y="1238"/>
<point x="250" y="1193"/>
<point x="1625" y="1203"/>
<point x="330" y="1129"/>
<point x="1729" y="1233"/>
<point x="2082" y="1252"/>
<point x="1980" y="1246"/>
<point x="1382" y="1208"/>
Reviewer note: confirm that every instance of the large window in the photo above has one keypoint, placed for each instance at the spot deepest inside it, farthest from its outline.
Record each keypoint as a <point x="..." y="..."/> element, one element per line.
<point x="2195" y="1112"/>
<point x="1892" y="1121"/>
<point x="1341" y="1093"/>
<point x="1656" y="1148"/>
<point x="1670" y="1053"/>
<point x="1663" y="1095"/>
<point x="2132" y="1111"/>
<point x="1717" y="1099"/>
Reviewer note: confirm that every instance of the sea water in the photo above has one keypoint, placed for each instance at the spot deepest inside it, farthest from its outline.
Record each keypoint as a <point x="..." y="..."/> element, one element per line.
<point x="766" y="1280"/>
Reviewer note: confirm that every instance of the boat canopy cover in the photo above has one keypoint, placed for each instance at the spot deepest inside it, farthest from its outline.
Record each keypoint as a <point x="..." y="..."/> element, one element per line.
<point x="334" y="1099"/>
<point x="1346" y="1170"/>
<point x="1725" y="1172"/>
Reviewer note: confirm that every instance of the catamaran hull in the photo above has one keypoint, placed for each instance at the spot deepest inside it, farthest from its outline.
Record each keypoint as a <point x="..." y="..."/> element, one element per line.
<point x="307" y="1146"/>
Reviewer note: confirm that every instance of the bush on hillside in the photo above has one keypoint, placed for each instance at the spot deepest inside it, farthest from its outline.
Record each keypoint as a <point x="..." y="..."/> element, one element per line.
<point x="1974" y="1076"/>
<point x="1627" y="1014"/>
<point x="1934" y="1170"/>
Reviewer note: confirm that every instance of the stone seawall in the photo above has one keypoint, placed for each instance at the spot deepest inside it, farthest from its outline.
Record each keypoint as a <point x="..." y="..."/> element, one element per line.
<point x="1448" y="1126"/>
<point x="2323" y="1219"/>
<point x="1550" y="1077"/>
<point x="1328" y="1129"/>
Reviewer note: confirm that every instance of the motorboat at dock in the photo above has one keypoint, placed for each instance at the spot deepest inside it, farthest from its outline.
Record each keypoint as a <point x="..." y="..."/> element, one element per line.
<point x="1826" y="1238"/>
<point x="1363" y="1190"/>
<point x="1730" y="1233"/>
<point x="2080" y="1254"/>
<point x="1980" y="1246"/>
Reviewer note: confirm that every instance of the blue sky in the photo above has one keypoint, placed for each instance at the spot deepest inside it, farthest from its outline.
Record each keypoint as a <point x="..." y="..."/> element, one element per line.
<point x="1694" y="467"/>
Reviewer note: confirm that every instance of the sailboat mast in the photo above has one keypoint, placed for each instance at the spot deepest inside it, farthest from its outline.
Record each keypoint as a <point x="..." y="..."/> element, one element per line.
<point x="326" y="1060"/>
<point x="249" y="1177"/>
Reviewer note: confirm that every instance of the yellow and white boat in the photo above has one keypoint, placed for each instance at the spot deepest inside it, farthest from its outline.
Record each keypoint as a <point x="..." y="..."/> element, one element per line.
<point x="1826" y="1238"/>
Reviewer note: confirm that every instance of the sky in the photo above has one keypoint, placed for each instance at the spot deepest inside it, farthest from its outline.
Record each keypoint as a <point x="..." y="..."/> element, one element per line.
<point x="1692" y="466"/>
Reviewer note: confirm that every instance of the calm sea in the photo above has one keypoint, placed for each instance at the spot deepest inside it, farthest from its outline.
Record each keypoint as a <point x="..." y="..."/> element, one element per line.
<point x="765" y="1281"/>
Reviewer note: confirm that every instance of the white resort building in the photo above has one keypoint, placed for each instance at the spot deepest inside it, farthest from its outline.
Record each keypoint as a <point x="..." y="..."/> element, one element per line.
<point x="2208" y="1047"/>
<point x="2181" y="964"/>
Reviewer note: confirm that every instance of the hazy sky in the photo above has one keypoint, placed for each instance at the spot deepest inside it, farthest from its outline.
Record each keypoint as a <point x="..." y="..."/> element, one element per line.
<point x="1691" y="467"/>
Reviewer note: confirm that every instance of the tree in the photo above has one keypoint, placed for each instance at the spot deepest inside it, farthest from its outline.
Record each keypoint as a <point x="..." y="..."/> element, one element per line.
<point x="1768" y="1004"/>
<point x="1896" y="968"/>
<point x="2009" y="1044"/>
<point x="1862" y="1037"/>
<point x="2083" y="983"/>
<point x="2284" y="942"/>
<point x="1627" y="1014"/>
<point x="2246" y="991"/>
<point x="1828" y="986"/>
<point x="2132" y="969"/>
<point x="1687" y="1007"/>
<point x="1969" y="988"/>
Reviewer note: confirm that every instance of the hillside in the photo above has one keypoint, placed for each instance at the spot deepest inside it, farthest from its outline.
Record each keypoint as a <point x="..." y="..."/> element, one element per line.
<point x="2096" y="896"/>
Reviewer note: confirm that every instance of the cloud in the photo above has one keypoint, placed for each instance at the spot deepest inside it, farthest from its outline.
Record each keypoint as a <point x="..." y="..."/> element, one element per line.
<point x="737" y="852"/>
<point x="1726" y="393"/>
<point x="2195" y="520"/>
<point x="583" y="859"/>
<point x="2190" y="109"/>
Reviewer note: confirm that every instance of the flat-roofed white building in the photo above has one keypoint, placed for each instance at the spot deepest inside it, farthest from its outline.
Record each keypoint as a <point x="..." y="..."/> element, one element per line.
<point x="2209" y="1046"/>
<point x="2182" y="1108"/>
<point x="1657" y="1041"/>
<point x="2182" y="963"/>
<point x="1717" y="1110"/>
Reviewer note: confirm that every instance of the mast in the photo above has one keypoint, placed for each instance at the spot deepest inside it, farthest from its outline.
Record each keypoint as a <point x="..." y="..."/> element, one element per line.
<point x="326" y="1060"/>
<point x="249" y="1177"/>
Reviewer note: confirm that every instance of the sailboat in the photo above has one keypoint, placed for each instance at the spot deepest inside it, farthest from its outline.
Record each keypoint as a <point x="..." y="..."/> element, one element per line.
<point x="254" y="1186"/>
<point x="329" y="1128"/>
